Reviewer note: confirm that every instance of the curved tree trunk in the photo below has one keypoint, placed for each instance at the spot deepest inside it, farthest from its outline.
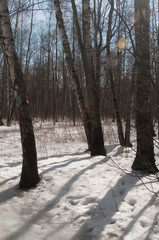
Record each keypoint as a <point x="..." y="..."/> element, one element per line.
<point x="72" y="72"/>
<point x="29" y="175"/>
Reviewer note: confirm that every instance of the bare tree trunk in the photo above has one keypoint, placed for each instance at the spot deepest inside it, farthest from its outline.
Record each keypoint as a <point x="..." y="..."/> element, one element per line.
<point x="73" y="112"/>
<point x="17" y="20"/>
<point x="158" y="71"/>
<point x="1" y="107"/>
<point x="129" y="109"/>
<point x="144" y="160"/>
<point x="21" y="47"/>
<point x="53" y="89"/>
<point x="97" y="141"/>
<point x="27" y="60"/>
<point x="72" y="72"/>
<point x="9" y="94"/>
<point x="47" y="80"/>
<point x="11" y="103"/>
<point x="56" y="78"/>
<point x="92" y="86"/>
<point x="29" y="175"/>
<point x="9" y="87"/>
<point x="110" y="73"/>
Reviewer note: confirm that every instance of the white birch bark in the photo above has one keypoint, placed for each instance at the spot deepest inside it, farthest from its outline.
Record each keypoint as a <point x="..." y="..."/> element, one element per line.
<point x="29" y="176"/>
<point x="72" y="72"/>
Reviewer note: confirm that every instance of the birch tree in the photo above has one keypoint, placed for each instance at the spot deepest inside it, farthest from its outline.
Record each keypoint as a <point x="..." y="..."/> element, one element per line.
<point x="92" y="84"/>
<point x="29" y="175"/>
<point x="72" y="72"/>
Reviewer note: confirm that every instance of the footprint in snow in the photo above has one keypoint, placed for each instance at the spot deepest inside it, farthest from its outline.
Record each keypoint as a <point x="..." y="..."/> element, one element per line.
<point x="77" y="196"/>
<point x="73" y="202"/>
<point x="89" y="200"/>
<point x="132" y="202"/>
<point x="143" y="224"/>
<point x="123" y="182"/>
<point x="75" y="199"/>
<point x="122" y="190"/>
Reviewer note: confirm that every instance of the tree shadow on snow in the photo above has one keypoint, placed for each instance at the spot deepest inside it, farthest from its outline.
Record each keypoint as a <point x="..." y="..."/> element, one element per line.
<point x="110" y="148"/>
<point x="102" y="215"/>
<point x="155" y="221"/>
<point x="63" y="155"/>
<point x="12" y="164"/>
<point x="63" y="191"/>
<point x="7" y="180"/>
<point x="10" y="193"/>
<point x="99" y="216"/>
<point x="64" y="164"/>
<point x="137" y="216"/>
<point x="117" y="149"/>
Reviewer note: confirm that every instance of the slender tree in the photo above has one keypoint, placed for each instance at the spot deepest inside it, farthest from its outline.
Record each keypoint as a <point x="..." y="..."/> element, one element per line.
<point x="72" y="72"/>
<point x="92" y="83"/>
<point x="27" y="60"/>
<point x="111" y="78"/>
<point x="29" y="175"/>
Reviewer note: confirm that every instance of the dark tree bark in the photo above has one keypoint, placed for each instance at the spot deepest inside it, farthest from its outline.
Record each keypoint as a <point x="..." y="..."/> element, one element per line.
<point x="29" y="175"/>
<point x="1" y="106"/>
<point x="97" y="142"/>
<point x="144" y="160"/>
<point x="1" y="92"/>
<point x="158" y="71"/>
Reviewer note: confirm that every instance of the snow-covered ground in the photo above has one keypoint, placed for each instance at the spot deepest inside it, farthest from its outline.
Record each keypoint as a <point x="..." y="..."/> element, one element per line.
<point x="79" y="197"/>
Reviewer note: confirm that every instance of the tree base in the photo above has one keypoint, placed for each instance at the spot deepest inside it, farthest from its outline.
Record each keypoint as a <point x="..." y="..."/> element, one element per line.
<point x="128" y="144"/>
<point x="31" y="184"/>
<point x="28" y="179"/>
<point x="144" y="166"/>
<point x="1" y="123"/>
<point x="97" y="152"/>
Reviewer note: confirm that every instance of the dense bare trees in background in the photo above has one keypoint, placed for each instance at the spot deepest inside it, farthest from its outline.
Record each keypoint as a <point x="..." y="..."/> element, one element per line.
<point x="108" y="76"/>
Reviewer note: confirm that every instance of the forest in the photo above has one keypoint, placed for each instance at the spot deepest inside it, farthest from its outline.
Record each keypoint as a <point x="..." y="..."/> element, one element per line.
<point x="79" y="86"/>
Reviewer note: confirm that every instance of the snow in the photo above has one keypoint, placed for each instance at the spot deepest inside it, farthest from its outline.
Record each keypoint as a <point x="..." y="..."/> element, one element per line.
<point x="79" y="197"/>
